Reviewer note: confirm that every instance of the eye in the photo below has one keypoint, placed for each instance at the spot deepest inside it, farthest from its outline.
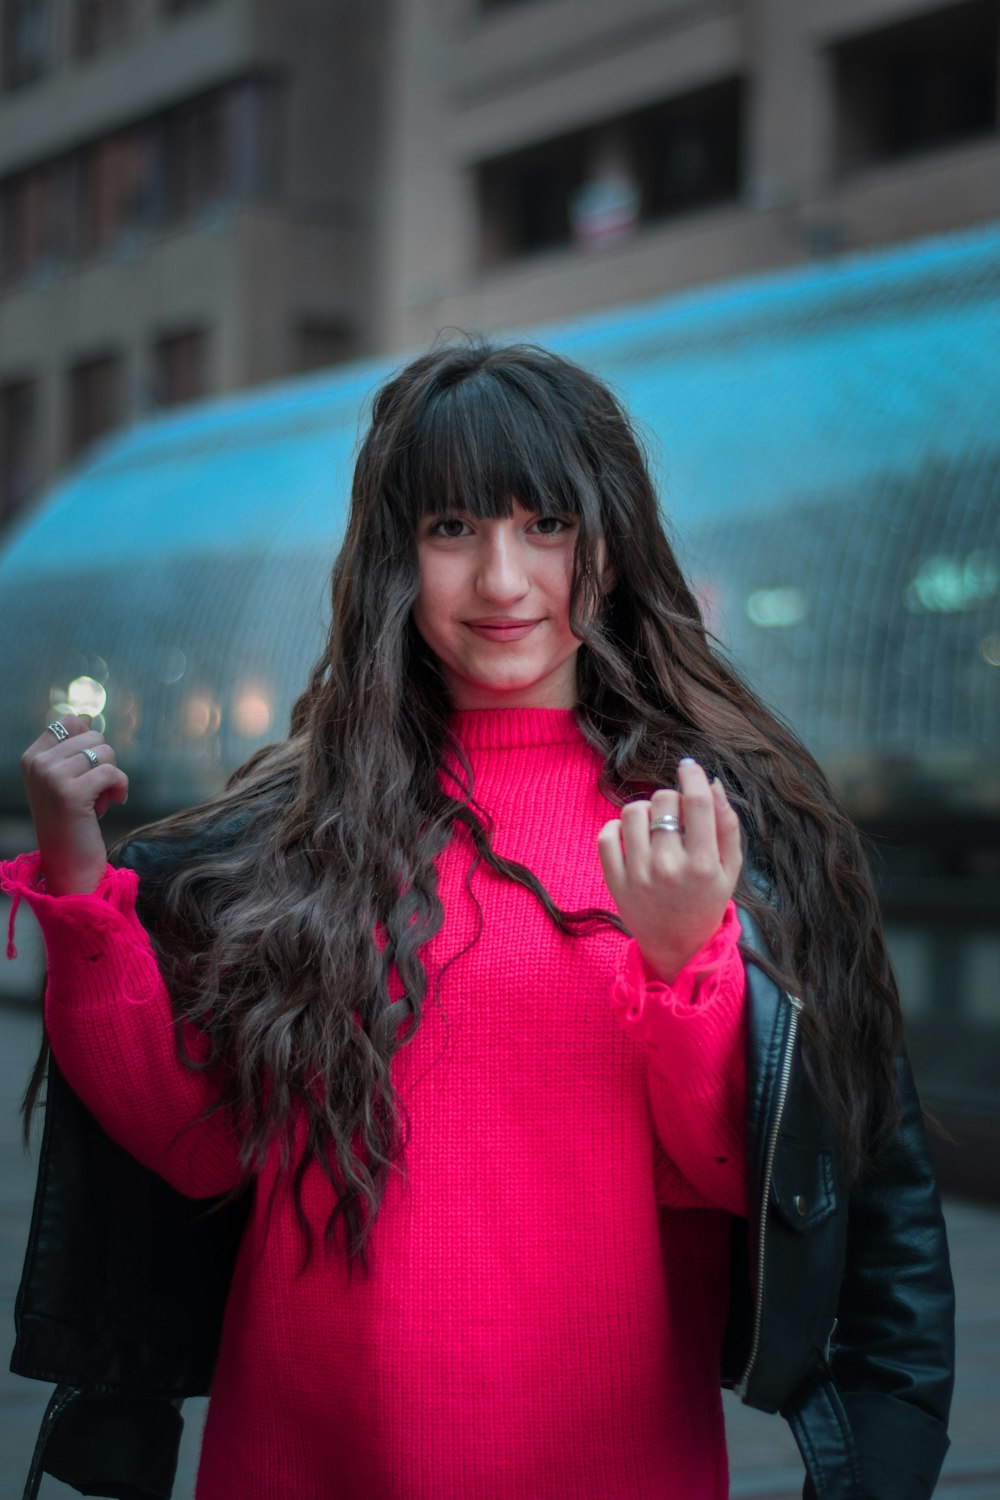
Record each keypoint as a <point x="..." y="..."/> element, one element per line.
<point x="448" y="527"/>
<point x="552" y="525"/>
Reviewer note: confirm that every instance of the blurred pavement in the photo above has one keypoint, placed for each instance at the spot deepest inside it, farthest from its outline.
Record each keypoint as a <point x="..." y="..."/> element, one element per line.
<point x="763" y="1459"/>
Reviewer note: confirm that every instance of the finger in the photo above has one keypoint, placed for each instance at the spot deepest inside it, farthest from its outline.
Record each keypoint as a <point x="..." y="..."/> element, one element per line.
<point x="609" y="851"/>
<point x="666" y="844"/>
<point x="104" y="779"/>
<point x="89" y="757"/>
<point x="70" y="723"/>
<point x="117" y="793"/>
<point x="700" y="838"/>
<point x="635" y="840"/>
<point x="48" y="758"/>
<point x="729" y="832"/>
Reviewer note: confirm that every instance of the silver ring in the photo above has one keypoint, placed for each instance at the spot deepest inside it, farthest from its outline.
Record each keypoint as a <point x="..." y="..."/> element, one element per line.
<point x="667" y="823"/>
<point x="59" y="730"/>
<point x="91" y="756"/>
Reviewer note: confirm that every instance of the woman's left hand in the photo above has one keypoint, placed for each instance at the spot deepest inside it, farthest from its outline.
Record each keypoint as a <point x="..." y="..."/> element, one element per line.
<point x="671" y="887"/>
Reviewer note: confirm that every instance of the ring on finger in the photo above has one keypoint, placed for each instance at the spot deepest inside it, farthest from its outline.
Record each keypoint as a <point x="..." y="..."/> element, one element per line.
<point x="59" y="730"/>
<point x="91" y="756"/>
<point x="666" y="823"/>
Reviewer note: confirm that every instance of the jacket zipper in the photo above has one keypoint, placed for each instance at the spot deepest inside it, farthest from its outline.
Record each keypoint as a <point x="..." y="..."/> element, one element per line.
<point x="772" y="1146"/>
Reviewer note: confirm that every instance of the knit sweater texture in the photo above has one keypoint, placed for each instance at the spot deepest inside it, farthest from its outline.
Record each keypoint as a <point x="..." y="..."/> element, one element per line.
<point x="547" y="1295"/>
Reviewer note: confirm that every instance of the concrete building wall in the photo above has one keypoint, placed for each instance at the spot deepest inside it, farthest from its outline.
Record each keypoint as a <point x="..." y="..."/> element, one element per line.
<point x="277" y="278"/>
<point x="472" y="82"/>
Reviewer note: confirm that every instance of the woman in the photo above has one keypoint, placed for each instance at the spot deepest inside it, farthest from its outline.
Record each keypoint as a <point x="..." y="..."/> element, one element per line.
<point x="450" y="987"/>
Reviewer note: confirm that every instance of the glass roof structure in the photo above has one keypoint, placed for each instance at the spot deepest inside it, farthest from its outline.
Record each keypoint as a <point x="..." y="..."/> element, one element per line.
<point x="827" y="443"/>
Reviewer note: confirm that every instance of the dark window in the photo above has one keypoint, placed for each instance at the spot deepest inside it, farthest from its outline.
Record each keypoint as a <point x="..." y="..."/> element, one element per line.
<point x="921" y="84"/>
<point x="253" y="126"/>
<point x="594" y="185"/>
<point x="18" y="446"/>
<point x="180" y="367"/>
<point x="217" y="148"/>
<point x="321" y="342"/>
<point x="102" y="23"/>
<point x="25" y="41"/>
<point x="94" y="400"/>
<point x="687" y="151"/>
<point x="114" y="187"/>
<point x="525" y="198"/>
<point x="221" y="147"/>
<point x="23" y="219"/>
<point x="181" y="7"/>
<point x="194" y="156"/>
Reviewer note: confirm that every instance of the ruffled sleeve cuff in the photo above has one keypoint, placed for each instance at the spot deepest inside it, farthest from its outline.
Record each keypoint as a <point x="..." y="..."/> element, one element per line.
<point x="22" y="879"/>
<point x="695" y="989"/>
<point x="693" y="1028"/>
<point x="95" y="944"/>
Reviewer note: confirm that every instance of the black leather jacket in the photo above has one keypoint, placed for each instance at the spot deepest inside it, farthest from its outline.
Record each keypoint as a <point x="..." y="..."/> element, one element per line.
<point x="841" y="1313"/>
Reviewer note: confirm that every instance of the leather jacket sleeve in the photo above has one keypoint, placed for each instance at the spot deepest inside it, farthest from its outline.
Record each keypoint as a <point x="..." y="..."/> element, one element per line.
<point x="892" y="1354"/>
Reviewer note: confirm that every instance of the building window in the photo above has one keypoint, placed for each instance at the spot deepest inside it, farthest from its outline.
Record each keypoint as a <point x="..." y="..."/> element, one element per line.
<point x="597" y="184"/>
<point x="39" y="213"/>
<point x="918" y="85"/>
<point x="525" y="198"/>
<point x="194" y="160"/>
<point x="687" y="151"/>
<point x="94" y="400"/>
<point x="103" y="23"/>
<point x="222" y="147"/>
<point x="115" y="172"/>
<point x="18" y="446"/>
<point x="218" y="148"/>
<point x="488" y="6"/>
<point x="180" y="367"/>
<point x="181" y="7"/>
<point x="25" y="42"/>
<point x="23" y="224"/>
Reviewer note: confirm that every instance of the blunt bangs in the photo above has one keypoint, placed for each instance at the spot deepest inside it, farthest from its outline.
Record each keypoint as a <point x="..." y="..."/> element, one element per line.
<point x="480" y="441"/>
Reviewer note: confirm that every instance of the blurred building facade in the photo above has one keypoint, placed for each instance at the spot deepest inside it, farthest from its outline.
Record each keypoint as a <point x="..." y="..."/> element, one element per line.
<point x="184" y="208"/>
<point x="198" y="195"/>
<point x="553" y="156"/>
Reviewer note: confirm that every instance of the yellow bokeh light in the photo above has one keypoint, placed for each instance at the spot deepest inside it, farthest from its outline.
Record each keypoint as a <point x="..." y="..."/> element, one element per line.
<point x="86" y="696"/>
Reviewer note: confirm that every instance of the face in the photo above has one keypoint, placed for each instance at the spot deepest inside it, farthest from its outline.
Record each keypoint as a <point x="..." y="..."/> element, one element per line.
<point x="494" y="607"/>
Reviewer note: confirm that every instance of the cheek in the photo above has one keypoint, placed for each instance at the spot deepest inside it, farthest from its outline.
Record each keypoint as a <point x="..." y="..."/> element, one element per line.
<point x="431" y="606"/>
<point x="560" y="584"/>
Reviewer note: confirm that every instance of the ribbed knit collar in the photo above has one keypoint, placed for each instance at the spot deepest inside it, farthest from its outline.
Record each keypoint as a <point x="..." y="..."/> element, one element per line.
<point x="512" y="728"/>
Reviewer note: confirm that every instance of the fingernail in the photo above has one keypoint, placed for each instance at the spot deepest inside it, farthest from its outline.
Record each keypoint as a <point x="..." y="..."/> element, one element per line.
<point x="687" y="761"/>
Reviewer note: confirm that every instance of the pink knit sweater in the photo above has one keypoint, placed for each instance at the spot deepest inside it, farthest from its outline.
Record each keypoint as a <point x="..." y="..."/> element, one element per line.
<point x="548" y="1288"/>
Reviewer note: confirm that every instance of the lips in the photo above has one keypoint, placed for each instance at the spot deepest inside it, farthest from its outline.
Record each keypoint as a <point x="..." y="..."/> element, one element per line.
<point x="501" y="630"/>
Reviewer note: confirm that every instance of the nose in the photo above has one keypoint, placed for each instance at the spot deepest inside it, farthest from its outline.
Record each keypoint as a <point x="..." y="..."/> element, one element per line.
<point x="501" y="578"/>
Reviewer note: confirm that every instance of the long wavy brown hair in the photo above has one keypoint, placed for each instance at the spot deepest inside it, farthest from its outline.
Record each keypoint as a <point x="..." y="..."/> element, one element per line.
<point x="296" y="891"/>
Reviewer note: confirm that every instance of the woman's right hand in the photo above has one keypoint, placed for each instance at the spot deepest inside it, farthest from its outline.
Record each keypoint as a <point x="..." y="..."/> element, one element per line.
<point x="67" y="794"/>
